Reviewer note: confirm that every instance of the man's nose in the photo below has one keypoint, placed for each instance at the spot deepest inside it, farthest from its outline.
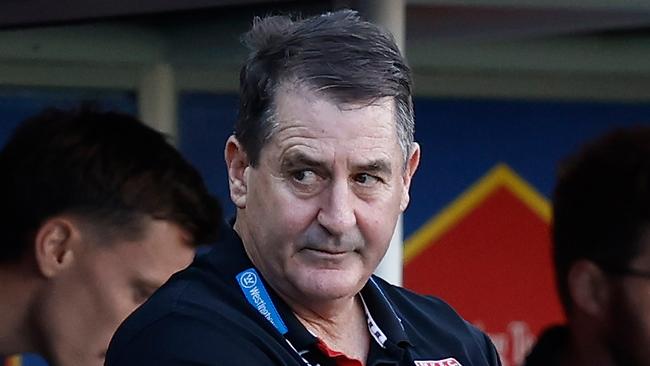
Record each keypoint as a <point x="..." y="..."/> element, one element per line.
<point x="337" y="212"/>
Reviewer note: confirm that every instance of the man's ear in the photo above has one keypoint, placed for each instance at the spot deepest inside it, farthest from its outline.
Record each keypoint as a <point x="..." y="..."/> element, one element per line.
<point x="54" y="246"/>
<point x="237" y="163"/>
<point x="589" y="288"/>
<point x="411" y="166"/>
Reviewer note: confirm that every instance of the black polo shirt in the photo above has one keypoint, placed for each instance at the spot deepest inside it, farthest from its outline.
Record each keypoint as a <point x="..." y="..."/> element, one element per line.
<point x="388" y="340"/>
<point x="203" y="317"/>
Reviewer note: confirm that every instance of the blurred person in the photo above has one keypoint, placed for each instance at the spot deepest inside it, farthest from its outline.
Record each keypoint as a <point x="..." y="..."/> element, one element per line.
<point x="601" y="235"/>
<point x="319" y="168"/>
<point x="98" y="211"/>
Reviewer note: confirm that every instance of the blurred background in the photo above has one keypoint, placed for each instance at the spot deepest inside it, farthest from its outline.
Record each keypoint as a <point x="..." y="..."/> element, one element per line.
<point x="503" y="90"/>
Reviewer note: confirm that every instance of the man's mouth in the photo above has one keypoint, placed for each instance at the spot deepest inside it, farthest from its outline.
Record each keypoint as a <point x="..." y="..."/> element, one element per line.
<point x="326" y="252"/>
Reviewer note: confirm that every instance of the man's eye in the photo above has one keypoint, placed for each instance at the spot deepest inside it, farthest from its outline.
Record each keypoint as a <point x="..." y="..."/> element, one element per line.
<point x="304" y="176"/>
<point x="366" y="179"/>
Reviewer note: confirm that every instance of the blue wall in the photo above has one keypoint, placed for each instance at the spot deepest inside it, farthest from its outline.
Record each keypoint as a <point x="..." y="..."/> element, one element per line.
<point x="16" y="104"/>
<point x="462" y="139"/>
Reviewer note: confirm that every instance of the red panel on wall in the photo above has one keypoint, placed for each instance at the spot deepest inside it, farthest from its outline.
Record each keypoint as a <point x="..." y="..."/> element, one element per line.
<point x="491" y="261"/>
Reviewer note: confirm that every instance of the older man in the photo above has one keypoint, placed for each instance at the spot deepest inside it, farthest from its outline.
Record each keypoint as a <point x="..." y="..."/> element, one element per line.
<point x="319" y="169"/>
<point x="98" y="211"/>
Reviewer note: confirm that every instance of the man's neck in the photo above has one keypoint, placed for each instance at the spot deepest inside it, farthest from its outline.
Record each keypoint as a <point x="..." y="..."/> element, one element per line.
<point x="17" y="290"/>
<point x="343" y="329"/>
<point x="585" y="349"/>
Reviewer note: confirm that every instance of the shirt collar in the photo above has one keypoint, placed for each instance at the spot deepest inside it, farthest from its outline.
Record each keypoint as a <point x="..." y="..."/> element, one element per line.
<point x="384" y="324"/>
<point x="383" y="313"/>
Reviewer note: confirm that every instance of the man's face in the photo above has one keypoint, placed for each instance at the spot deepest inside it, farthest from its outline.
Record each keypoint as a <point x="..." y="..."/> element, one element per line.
<point x="321" y="206"/>
<point x="85" y="304"/>
<point x="629" y="319"/>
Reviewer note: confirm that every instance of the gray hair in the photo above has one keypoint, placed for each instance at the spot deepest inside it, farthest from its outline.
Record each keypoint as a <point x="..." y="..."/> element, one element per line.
<point x="338" y="55"/>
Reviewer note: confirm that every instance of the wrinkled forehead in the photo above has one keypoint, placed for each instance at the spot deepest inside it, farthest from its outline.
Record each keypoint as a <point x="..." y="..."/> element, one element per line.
<point x="296" y="103"/>
<point x="289" y="94"/>
<point x="320" y="129"/>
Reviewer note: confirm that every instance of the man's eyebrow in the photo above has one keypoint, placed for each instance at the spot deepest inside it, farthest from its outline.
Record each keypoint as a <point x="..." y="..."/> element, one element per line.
<point x="299" y="158"/>
<point x="376" y="166"/>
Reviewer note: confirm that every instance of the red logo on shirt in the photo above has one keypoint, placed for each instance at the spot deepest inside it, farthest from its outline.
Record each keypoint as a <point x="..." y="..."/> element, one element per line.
<point x="446" y="362"/>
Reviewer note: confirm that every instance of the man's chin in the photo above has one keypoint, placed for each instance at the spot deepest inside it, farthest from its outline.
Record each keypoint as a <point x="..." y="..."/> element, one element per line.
<point x="330" y="285"/>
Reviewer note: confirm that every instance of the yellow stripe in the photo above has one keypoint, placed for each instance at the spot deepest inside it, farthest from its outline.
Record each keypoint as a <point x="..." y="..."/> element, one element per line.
<point x="528" y="194"/>
<point x="500" y="175"/>
<point x="13" y="361"/>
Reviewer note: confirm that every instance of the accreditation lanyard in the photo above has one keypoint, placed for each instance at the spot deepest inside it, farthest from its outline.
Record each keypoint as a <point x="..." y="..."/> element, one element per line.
<point x="257" y="296"/>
